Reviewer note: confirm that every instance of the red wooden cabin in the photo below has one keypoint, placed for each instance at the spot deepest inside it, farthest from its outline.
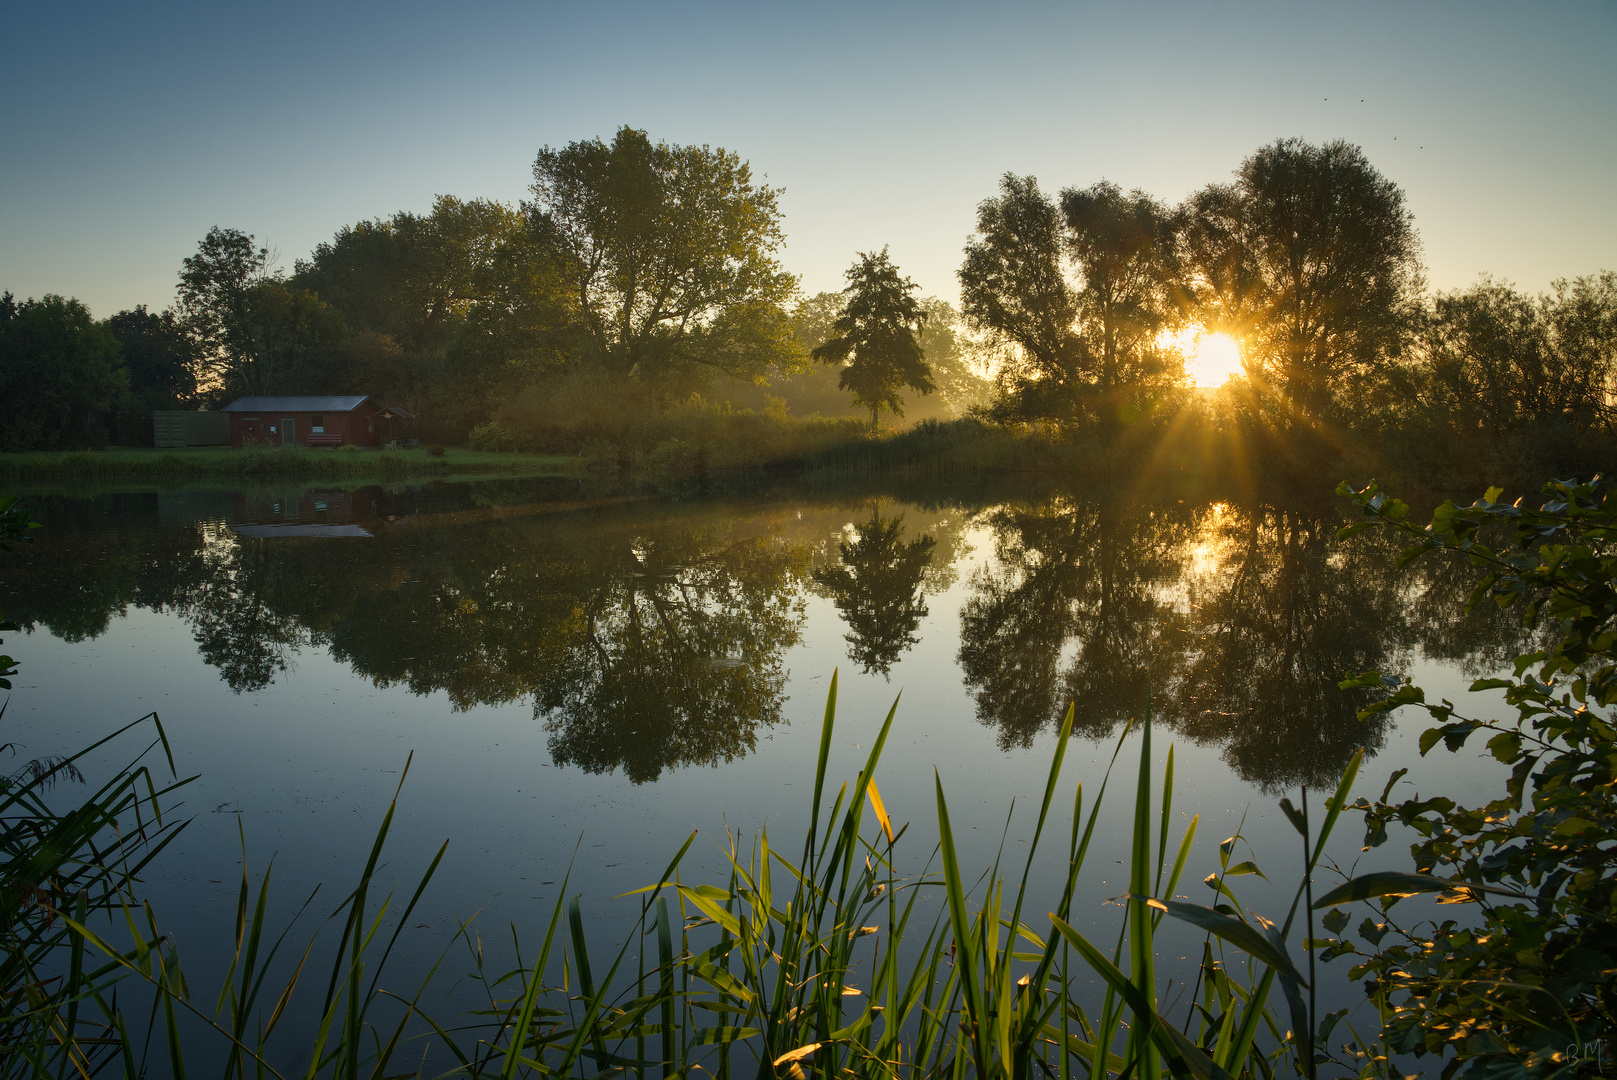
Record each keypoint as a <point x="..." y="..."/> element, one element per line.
<point x="304" y="421"/>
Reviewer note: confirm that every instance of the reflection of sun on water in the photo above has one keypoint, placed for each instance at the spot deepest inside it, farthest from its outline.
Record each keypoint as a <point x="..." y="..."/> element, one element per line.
<point x="1207" y="553"/>
<point x="1210" y="359"/>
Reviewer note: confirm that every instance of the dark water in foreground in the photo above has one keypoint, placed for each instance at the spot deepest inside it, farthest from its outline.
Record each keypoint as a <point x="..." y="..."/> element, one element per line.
<point x="585" y="676"/>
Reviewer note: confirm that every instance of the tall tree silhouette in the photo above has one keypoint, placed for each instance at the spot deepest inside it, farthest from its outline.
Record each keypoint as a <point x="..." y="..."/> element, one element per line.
<point x="1012" y="284"/>
<point x="1123" y="246"/>
<point x="877" y="337"/>
<point x="1312" y="260"/>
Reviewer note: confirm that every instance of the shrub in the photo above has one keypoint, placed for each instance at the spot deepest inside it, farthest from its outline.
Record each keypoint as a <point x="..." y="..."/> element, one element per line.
<point x="1532" y="990"/>
<point x="674" y="459"/>
<point x="435" y="450"/>
<point x="492" y="437"/>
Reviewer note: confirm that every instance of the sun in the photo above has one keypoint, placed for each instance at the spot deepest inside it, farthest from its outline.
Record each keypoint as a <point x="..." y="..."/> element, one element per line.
<point x="1211" y="359"/>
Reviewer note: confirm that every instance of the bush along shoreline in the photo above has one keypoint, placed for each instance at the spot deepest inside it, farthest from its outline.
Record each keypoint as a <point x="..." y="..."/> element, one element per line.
<point x="1527" y="985"/>
<point x="823" y="959"/>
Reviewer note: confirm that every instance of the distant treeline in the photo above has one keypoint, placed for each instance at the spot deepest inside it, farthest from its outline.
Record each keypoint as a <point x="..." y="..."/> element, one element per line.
<point x="642" y="277"/>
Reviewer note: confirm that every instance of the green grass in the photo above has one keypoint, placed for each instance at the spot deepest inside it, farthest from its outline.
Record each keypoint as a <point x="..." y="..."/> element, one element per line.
<point x="248" y="464"/>
<point x="821" y="958"/>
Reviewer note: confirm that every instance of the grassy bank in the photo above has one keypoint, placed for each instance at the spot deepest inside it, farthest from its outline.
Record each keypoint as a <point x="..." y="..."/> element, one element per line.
<point x="254" y="464"/>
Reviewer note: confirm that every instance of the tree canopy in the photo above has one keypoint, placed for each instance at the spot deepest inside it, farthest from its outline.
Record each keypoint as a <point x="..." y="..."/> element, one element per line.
<point x="876" y="340"/>
<point x="1012" y="284"/>
<point x="1124" y="249"/>
<point x="1081" y="291"/>
<point x="643" y="278"/>
<point x="1310" y="258"/>
<point x="215" y="286"/>
<point x="60" y="373"/>
<point x="669" y="253"/>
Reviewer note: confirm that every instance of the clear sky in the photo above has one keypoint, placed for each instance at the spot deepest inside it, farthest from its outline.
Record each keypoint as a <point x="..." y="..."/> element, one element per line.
<point x="129" y="129"/>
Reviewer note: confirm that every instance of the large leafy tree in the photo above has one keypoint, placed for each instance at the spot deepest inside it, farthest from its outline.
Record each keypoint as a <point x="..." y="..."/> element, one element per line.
<point x="1012" y="284"/>
<point x="1311" y="258"/>
<point x="416" y="277"/>
<point x="1081" y="289"/>
<point x="1123" y="247"/>
<point x="160" y="360"/>
<point x="877" y="337"/>
<point x="60" y="374"/>
<point x="216" y="285"/>
<point x="446" y="308"/>
<point x="670" y="256"/>
<point x="158" y="355"/>
<point x="292" y="342"/>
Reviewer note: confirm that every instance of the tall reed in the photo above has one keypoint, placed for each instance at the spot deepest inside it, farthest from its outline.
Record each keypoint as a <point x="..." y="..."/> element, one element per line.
<point x="821" y="958"/>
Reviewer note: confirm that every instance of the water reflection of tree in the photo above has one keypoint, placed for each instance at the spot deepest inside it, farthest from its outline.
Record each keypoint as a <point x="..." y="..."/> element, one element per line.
<point x="651" y="641"/>
<point x="878" y="590"/>
<point x="645" y="645"/>
<point x="1071" y="609"/>
<point x="642" y="642"/>
<point x="1482" y="641"/>
<point x="91" y="565"/>
<point x="239" y="612"/>
<point x="1277" y="615"/>
<point x="1239" y="626"/>
<point x="676" y="655"/>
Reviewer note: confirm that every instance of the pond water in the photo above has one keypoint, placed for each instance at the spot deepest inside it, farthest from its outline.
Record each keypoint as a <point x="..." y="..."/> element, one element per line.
<point x="580" y="676"/>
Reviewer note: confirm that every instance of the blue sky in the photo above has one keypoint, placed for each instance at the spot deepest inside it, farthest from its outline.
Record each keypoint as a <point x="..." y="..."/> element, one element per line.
<point x="129" y="131"/>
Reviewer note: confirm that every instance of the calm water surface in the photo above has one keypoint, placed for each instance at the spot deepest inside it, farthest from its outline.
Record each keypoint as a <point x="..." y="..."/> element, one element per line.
<point x="585" y="676"/>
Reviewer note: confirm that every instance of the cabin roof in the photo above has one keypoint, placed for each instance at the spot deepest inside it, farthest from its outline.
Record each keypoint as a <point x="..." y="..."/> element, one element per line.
<point x="335" y="404"/>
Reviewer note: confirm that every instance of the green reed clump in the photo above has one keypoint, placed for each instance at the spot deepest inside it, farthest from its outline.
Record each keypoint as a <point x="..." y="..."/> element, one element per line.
<point x="821" y="958"/>
<point x="59" y="869"/>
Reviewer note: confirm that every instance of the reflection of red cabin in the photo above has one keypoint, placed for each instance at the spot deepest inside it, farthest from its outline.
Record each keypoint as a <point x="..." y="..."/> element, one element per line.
<point x="314" y="512"/>
<point x="303" y="421"/>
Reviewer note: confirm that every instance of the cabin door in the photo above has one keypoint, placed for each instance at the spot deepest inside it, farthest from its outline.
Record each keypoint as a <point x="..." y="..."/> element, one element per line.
<point x="289" y="431"/>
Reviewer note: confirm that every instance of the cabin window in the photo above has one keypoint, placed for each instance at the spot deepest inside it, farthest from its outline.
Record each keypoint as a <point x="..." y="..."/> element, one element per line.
<point x="317" y="424"/>
<point x="251" y="419"/>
